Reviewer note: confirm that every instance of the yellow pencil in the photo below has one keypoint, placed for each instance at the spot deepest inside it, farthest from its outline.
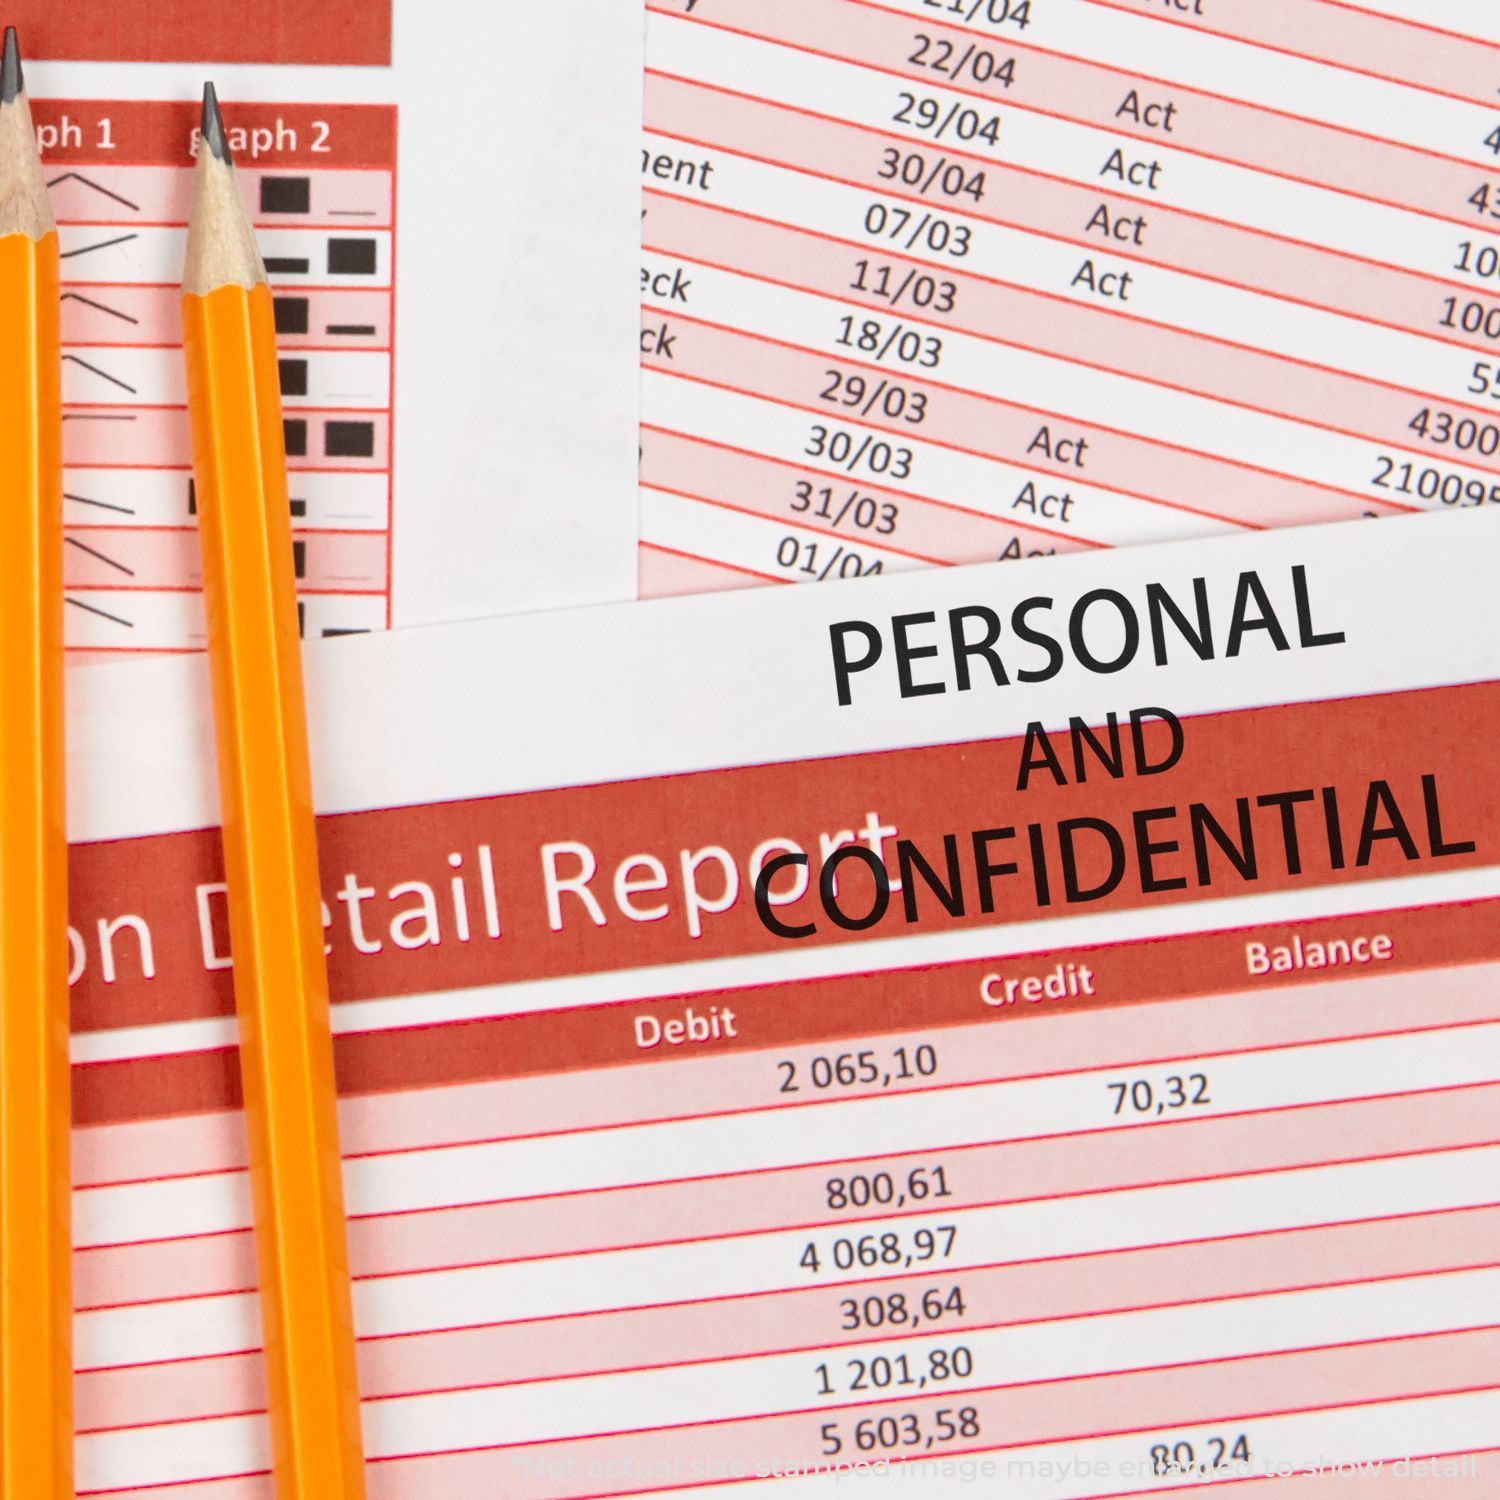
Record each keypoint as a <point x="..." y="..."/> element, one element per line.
<point x="36" y="1304"/>
<point x="270" y="850"/>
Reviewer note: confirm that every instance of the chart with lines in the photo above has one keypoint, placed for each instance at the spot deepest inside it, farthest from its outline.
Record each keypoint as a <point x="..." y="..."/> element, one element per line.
<point x="321" y="188"/>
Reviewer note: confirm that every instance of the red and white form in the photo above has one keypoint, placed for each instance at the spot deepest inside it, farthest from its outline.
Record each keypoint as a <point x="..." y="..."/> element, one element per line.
<point x="322" y="194"/>
<point x="1030" y="1027"/>
<point x="937" y="281"/>
<point x="443" y="270"/>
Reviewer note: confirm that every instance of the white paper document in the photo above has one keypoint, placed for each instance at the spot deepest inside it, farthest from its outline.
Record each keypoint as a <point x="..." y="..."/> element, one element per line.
<point x="1029" y="1032"/>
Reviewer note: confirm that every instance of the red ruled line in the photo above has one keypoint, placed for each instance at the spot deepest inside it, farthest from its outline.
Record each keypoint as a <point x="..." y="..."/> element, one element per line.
<point x="784" y="1168"/>
<point x="1269" y="1049"/>
<point x="951" y="272"/>
<point x="930" y="1268"/>
<point x="1159" y="204"/>
<point x="907" y="377"/>
<point x="1177" y="1489"/>
<point x="292" y="468"/>
<point x="151" y="528"/>
<point x="304" y="590"/>
<point x="270" y="226"/>
<point x="284" y="346"/>
<point x="894" y="972"/>
<point x="954" y="1391"/>
<point x="104" y="161"/>
<point x="904" y="496"/>
<point x="852" y="1224"/>
<point x="1184" y="88"/>
<point x="182" y="1484"/>
<point x="795" y="523"/>
<point x="924" y="1399"/>
<point x="1312" y="57"/>
<point x="1364" y="10"/>
<point x="1176" y="1060"/>
<point x="963" y="1326"/>
<point x="289" y="407"/>
<point x="252" y="1351"/>
<point x="833" y="1288"/>
<point x="886" y="482"/>
<point x="900" y="495"/>
<point x="711" y="562"/>
<point x="958" y="1204"/>
<point x="390" y="401"/>
<point x="382" y="288"/>
<point x="958" y="1389"/>
<point x="151" y="1426"/>
<point x="938" y="1455"/>
<point x="1093" y="248"/>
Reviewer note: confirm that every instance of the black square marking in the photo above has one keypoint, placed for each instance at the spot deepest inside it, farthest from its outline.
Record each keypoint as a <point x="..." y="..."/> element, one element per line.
<point x="291" y="314"/>
<point x="293" y="374"/>
<point x="294" y="429"/>
<point x="349" y="440"/>
<point x="285" y="195"/>
<point x="299" y="559"/>
<point x="351" y="257"/>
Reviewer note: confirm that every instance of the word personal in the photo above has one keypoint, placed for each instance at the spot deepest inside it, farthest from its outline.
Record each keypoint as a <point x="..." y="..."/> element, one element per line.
<point x="1102" y="631"/>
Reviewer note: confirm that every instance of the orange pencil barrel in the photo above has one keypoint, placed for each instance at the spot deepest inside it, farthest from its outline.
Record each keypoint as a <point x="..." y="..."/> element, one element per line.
<point x="36" y="1305"/>
<point x="275" y="916"/>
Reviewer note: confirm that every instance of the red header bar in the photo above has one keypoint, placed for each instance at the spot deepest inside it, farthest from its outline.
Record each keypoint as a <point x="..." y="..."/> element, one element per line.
<point x="270" y="31"/>
<point x="1425" y="939"/>
<point x="660" y="871"/>
<point x="155" y="132"/>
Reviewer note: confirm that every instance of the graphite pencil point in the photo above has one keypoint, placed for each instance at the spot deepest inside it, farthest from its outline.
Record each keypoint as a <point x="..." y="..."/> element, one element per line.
<point x="213" y="127"/>
<point x="221" y="247"/>
<point x="24" y="208"/>
<point x="11" y="80"/>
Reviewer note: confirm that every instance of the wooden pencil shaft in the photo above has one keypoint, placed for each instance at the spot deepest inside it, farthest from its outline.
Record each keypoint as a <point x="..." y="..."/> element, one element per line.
<point x="36" y="1305"/>
<point x="275" y="916"/>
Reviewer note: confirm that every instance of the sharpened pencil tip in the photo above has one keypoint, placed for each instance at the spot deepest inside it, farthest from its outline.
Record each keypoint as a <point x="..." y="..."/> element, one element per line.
<point x="23" y="189"/>
<point x="213" y="127"/>
<point x="11" y="80"/>
<point x="220" y="243"/>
